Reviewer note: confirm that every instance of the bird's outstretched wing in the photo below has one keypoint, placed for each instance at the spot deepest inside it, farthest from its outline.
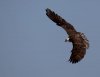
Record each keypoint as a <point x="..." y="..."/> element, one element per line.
<point x="77" y="54"/>
<point x="78" y="39"/>
<point x="60" y="21"/>
<point x="80" y="44"/>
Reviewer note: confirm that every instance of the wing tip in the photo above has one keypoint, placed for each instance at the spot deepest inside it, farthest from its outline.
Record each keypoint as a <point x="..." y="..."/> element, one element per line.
<point x="47" y="10"/>
<point x="73" y="61"/>
<point x="76" y="58"/>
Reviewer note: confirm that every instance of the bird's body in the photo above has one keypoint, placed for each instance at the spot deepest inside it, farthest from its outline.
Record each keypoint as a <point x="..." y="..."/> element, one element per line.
<point x="78" y="39"/>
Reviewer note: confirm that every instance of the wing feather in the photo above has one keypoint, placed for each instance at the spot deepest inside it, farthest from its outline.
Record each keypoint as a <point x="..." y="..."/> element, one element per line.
<point x="77" y="54"/>
<point x="60" y="21"/>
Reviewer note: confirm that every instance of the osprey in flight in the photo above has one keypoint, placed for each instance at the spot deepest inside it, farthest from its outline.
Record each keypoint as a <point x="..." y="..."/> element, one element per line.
<point x="79" y="41"/>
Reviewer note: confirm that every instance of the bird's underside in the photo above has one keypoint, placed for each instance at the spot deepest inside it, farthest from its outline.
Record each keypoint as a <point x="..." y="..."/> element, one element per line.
<point x="78" y="39"/>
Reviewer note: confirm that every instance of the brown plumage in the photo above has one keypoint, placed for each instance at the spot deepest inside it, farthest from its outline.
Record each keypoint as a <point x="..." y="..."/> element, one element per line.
<point x="78" y="39"/>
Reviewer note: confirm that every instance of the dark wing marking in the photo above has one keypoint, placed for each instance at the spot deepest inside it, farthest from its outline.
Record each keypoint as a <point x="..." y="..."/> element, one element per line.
<point x="60" y="21"/>
<point x="77" y="54"/>
<point x="79" y="48"/>
<point x="80" y="43"/>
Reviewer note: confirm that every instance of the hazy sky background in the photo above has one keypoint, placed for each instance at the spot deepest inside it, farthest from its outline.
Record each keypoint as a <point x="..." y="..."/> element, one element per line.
<point x="31" y="45"/>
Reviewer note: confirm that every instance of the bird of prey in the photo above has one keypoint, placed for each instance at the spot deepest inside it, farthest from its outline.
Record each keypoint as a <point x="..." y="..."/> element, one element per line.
<point x="79" y="41"/>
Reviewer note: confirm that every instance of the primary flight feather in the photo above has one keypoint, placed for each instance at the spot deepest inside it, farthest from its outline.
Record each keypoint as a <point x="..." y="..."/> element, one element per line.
<point x="79" y="41"/>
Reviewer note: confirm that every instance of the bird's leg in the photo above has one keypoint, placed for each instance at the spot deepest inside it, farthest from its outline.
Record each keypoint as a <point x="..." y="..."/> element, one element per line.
<point x="67" y="39"/>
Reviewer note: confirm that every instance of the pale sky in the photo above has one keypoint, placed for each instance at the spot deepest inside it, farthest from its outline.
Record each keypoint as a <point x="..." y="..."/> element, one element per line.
<point x="31" y="45"/>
